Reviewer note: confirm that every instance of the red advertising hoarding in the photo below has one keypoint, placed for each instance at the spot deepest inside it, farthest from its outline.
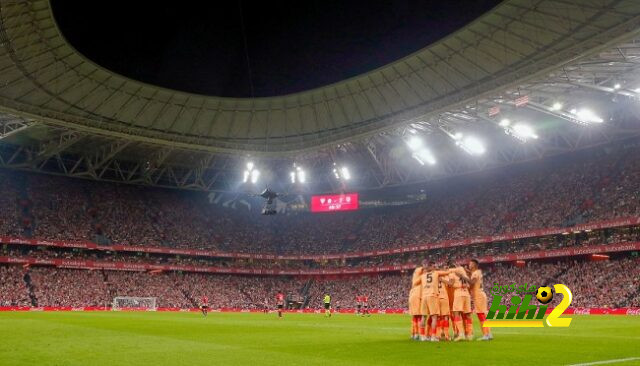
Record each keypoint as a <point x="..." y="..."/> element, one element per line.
<point x="334" y="202"/>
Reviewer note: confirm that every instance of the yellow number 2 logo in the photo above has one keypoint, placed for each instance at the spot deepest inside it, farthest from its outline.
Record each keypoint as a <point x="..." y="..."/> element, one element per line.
<point x="554" y="320"/>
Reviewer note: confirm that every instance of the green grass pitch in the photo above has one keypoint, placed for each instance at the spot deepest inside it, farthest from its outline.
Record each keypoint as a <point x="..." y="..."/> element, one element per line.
<point x="160" y="339"/>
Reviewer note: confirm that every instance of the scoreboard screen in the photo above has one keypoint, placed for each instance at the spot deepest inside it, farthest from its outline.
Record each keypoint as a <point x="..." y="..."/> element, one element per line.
<point x="335" y="202"/>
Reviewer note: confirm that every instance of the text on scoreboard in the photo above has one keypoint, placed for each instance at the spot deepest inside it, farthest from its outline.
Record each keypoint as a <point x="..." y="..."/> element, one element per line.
<point x="335" y="202"/>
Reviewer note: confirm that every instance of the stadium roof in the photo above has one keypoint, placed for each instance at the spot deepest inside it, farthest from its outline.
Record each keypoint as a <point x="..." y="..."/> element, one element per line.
<point x="64" y="114"/>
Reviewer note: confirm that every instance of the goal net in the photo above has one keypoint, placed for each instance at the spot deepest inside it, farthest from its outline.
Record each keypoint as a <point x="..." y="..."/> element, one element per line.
<point x="134" y="303"/>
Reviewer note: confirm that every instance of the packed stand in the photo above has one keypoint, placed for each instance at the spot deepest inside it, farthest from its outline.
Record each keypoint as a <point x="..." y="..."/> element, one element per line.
<point x="606" y="283"/>
<point x="13" y="287"/>
<point x="583" y="239"/>
<point x="587" y="186"/>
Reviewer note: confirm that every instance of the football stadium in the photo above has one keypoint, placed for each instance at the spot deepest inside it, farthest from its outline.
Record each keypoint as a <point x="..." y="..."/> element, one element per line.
<point x="320" y="183"/>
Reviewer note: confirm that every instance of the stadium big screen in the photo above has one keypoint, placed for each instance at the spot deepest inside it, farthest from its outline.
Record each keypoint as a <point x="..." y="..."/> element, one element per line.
<point x="334" y="202"/>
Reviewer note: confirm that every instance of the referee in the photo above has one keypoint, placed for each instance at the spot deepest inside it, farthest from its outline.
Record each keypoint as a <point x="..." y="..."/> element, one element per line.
<point x="327" y="305"/>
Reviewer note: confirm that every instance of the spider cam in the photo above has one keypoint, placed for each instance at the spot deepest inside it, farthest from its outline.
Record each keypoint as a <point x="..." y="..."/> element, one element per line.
<point x="270" y="196"/>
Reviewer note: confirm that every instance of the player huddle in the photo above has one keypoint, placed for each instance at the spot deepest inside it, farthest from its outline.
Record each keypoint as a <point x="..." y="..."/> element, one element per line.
<point x="441" y="295"/>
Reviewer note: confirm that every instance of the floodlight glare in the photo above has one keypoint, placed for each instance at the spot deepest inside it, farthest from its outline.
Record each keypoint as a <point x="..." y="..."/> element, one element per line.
<point x="302" y="177"/>
<point x="250" y="166"/>
<point x="472" y="145"/>
<point x="414" y="143"/>
<point x="617" y="86"/>
<point x="293" y="177"/>
<point x="254" y="176"/>
<point x="556" y="106"/>
<point x="587" y="116"/>
<point x="344" y="172"/>
<point x="246" y="176"/>
<point x="424" y="156"/>
<point x="524" y="132"/>
<point x="505" y="122"/>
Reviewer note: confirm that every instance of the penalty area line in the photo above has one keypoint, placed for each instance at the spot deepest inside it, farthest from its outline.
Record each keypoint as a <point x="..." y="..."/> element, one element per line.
<point x="618" y="360"/>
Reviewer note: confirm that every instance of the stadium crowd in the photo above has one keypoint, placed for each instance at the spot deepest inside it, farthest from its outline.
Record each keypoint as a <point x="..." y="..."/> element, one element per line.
<point x="591" y="186"/>
<point x="596" y="237"/>
<point x="51" y="286"/>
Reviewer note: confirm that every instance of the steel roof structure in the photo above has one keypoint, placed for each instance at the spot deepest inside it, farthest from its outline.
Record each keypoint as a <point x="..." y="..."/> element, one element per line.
<point x="61" y="113"/>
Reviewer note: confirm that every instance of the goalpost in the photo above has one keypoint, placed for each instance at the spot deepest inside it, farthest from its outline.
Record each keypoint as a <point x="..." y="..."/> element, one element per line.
<point x="132" y="302"/>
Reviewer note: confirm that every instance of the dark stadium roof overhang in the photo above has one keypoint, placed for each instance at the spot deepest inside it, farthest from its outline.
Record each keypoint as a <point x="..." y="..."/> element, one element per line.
<point x="61" y="113"/>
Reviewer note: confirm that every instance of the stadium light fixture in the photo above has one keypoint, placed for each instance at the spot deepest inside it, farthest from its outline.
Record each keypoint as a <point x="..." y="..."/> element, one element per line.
<point x="424" y="156"/>
<point x="556" y="106"/>
<point x="414" y="143"/>
<point x="344" y="173"/>
<point x="586" y="115"/>
<point x="250" y="174"/>
<point x="472" y="145"/>
<point x="617" y="86"/>
<point x="523" y="132"/>
<point x="505" y="122"/>
<point x="255" y="174"/>
<point x="419" y="151"/>
<point x="341" y="172"/>
<point x="298" y="175"/>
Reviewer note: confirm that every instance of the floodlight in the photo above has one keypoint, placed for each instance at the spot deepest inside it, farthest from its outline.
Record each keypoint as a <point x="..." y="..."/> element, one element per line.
<point x="424" y="156"/>
<point x="523" y="132"/>
<point x="254" y="176"/>
<point x="586" y="115"/>
<point x="344" y="172"/>
<point x="414" y="143"/>
<point x="472" y="145"/>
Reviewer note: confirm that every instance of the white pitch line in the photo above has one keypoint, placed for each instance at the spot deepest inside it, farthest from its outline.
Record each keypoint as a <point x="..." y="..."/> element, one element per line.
<point x="567" y="335"/>
<point x="606" y="361"/>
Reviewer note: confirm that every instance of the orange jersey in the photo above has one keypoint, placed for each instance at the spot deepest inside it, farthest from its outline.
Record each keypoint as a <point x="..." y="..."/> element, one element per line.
<point x="460" y="288"/>
<point x="429" y="284"/>
<point x="450" y="293"/>
<point x="476" y="288"/>
<point x="442" y="287"/>
<point x="414" y="294"/>
<point x="415" y="284"/>
<point x="415" y="281"/>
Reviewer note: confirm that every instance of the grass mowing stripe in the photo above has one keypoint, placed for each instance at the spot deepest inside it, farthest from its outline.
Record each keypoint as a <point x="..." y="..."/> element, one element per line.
<point x="619" y="360"/>
<point x="161" y="339"/>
